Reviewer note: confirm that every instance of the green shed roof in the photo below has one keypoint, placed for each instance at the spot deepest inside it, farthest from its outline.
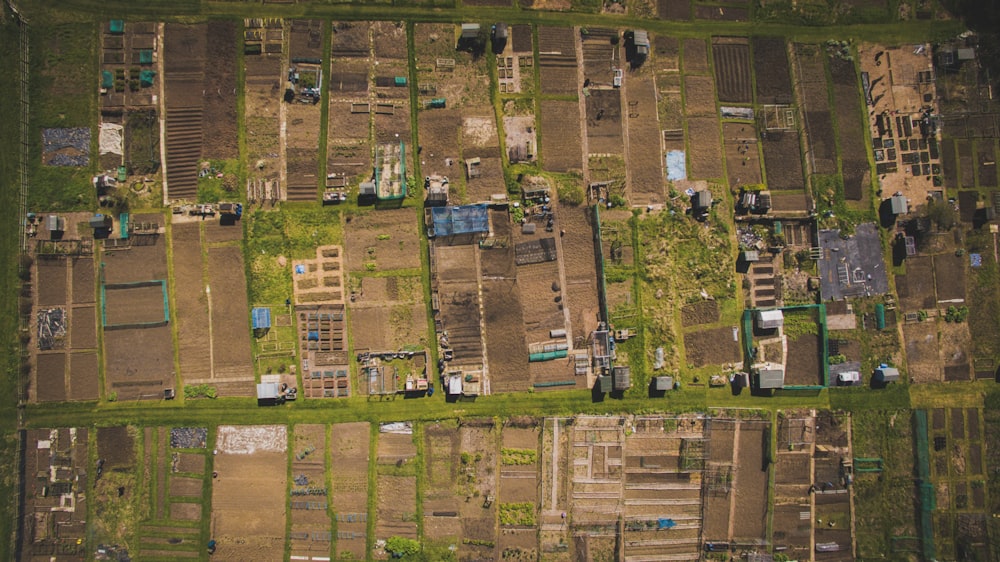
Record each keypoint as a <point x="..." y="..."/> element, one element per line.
<point x="117" y="26"/>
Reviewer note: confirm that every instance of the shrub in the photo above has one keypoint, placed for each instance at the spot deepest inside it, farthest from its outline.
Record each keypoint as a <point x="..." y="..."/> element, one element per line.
<point x="199" y="391"/>
<point x="519" y="514"/>
<point x="956" y="314"/>
<point x="570" y="192"/>
<point x="516" y="457"/>
<point x="400" y="547"/>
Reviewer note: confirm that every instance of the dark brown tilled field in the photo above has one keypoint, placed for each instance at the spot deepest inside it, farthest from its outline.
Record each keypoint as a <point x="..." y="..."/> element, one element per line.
<point x="51" y="281"/>
<point x="821" y="151"/>
<point x="695" y="56"/>
<point x="742" y="154"/>
<point x="854" y="157"/>
<point x="83" y="377"/>
<point x="604" y="121"/>
<point x="675" y="10"/>
<point x="706" y="149"/>
<point x="50" y="385"/>
<point x="804" y="366"/>
<point x="770" y="62"/>
<point x="751" y="481"/>
<point x="643" y="133"/>
<point x="219" y="139"/>
<point x="560" y="131"/>
<point x="557" y="59"/>
<point x="732" y="69"/>
<point x="184" y="67"/>
<point x="782" y="161"/>
<point x="699" y="96"/>
<point x="718" y="13"/>
<point x="83" y="280"/>
<point x="711" y="347"/>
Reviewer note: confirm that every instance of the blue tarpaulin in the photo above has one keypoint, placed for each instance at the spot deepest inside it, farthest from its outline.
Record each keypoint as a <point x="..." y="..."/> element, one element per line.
<point x="261" y="318"/>
<point x="666" y="523"/>
<point x="676" y="165"/>
<point x="464" y="219"/>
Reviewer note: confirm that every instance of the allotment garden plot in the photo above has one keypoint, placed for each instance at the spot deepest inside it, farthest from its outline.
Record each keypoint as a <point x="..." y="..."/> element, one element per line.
<point x="213" y="338"/>
<point x="302" y="114"/>
<point x="396" y="482"/>
<point x="460" y="488"/>
<point x="349" y="460"/>
<point x="64" y="326"/>
<point x="177" y="467"/>
<point x="249" y="494"/>
<point x="129" y="375"/>
<point x="519" y="484"/>
<point x="310" y="527"/>
<point x="349" y="130"/>
<point x="55" y="506"/>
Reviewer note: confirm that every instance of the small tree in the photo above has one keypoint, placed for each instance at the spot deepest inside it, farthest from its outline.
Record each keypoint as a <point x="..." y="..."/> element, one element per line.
<point x="400" y="547"/>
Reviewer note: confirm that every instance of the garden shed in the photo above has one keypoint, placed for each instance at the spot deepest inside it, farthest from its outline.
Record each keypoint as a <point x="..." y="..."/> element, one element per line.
<point x="770" y="319"/>
<point x="886" y="374"/>
<point x="770" y="378"/>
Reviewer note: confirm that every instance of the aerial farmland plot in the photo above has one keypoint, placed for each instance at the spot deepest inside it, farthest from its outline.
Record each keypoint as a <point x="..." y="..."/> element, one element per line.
<point x="821" y="154"/>
<point x="250" y="493"/>
<point x="349" y="461"/>
<point x="455" y="226"/>
<point x="302" y="114"/>
<point x="396" y="483"/>
<point x="350" y="110"/>
<point x="123" y="277"/>
<point x="175" y="473"/>
<point x="263" y="41"/>
<point x="643" y="133"/>
<point x="56" y="505"/>
<point x="310" y="528"/>
<point x="518" y="483"/>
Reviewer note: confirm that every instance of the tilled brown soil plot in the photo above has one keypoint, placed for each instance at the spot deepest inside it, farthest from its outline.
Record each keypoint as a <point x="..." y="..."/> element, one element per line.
<point x="695" y="56"/>
<point x="646" y="164"/>
<point x="821" y="153"/>
<point x="232" y="369"/>
<point x="349" y="450"/>
<point x="770" y="61"/>
<point x="742" y="154"/>
<point x="560" y="131"/>
<point x="558" y="61"/>
<point x="732" y="69"/>
<point x="783" y="161"/>
<point x="190" y="303"/>
<point x="751" y="480"/>
<point x="854" y="157"/>
<point x="127" y="373"/>
<point x="676" y="10"/>
<point x="706" y="148"/>
<point x="712" y="347"/>
<point x="199" y="80"/>
<point x="699" y="95"/>
<point x="804" y="355"/>
<point x="604" y="121"/>
<point x="506" y="351"/>
<point x="579" y="260"/>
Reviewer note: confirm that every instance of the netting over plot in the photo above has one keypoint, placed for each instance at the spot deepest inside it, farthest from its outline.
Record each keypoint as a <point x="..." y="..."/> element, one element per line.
<point x="112" y="139"/>
<point x="465" y="219"/>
